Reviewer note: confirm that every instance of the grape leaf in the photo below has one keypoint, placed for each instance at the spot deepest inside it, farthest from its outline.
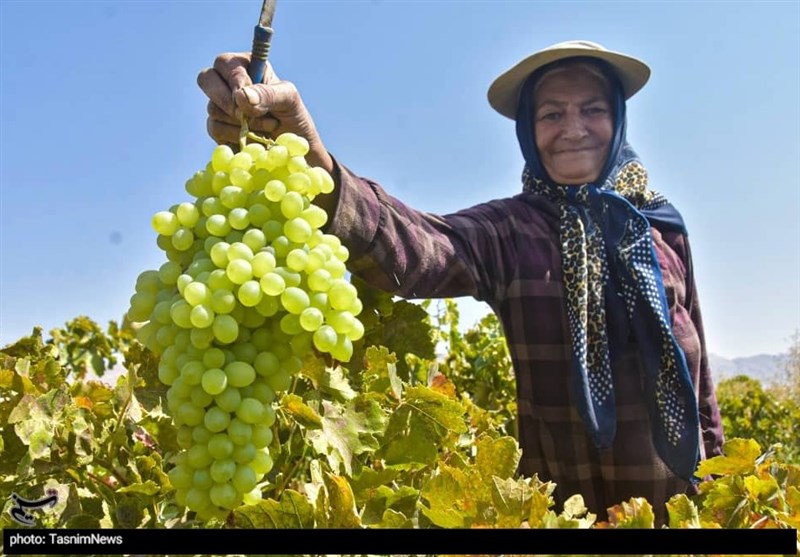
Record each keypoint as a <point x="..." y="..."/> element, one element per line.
<point x="342" y="505"/>
<point x="512" y="501"/>
<point x="345" y="433"/>
<point x="302" y="413"/>
<point x="739" y="458"/>
<point x="292" y="510"/>
<point x="634" y="513"/>
<point x="393" y="519"/>
<point x="327" y="380"/>
<point x="682" y="512"/>
<point x="448" y="501"/>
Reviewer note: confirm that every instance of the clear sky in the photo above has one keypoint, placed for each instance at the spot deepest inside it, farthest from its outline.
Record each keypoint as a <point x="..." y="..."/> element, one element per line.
<point x="102" y="123"/>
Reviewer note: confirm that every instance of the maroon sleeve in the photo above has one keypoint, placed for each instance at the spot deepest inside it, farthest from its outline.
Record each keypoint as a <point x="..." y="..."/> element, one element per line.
<point x="710" y="420"/>
<point x="416" y="254"/>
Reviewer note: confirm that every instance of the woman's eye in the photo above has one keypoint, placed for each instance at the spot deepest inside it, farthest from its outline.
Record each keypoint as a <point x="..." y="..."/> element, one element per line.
<point x="595" y="110"/>
<point x="550" y="116"/>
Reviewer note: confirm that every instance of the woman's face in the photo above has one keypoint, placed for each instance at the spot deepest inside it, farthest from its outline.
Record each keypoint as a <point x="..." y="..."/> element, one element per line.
<point x="573" y="123"/>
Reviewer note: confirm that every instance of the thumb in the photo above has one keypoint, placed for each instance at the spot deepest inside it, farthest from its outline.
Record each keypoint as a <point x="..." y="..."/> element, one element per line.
<point x="257" y="100"/>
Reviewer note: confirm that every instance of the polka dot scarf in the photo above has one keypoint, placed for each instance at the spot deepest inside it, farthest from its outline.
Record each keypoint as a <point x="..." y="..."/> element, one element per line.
<point x="609" y="264"/>
<point x="589" y="217"/>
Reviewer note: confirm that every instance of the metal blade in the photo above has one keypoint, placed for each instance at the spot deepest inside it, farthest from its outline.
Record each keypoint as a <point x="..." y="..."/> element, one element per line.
<point x="267" y="13"/>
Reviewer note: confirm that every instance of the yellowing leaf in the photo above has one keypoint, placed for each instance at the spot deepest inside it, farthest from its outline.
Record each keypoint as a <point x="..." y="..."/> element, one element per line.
<point x="682" y="512"/>
<point x="634" y="513"/>
<point x="300" y="411"/>
<point x="739" y="458"/>
<point x="342" y="506"/>
<point x="292" y="511"/>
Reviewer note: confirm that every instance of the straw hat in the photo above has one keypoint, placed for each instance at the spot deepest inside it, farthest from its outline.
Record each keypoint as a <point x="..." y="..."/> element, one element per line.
<point x="504" y="92"/>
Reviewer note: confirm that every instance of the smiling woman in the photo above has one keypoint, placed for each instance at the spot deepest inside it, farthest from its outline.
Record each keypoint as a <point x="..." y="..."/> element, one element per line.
<point x="588" y="270"/>
<point x="573" y="122"/>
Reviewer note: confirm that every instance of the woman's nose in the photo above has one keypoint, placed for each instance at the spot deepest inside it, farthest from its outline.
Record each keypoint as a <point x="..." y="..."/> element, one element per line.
<point x="573" y="127"/>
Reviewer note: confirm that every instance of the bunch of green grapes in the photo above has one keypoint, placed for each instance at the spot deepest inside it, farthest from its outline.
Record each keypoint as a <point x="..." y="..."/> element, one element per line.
<point x="250" y="287"/>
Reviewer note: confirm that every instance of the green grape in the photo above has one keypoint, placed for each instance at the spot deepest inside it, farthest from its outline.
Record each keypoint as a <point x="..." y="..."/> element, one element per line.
<point x="201" y="434"/>
<point x="297" y="230"/>
<point x="218" y="279"/>
<point x="212" y="206"/>
<point x="314" y="260"/>
<point x="341" y="253"/>
<point x="262" y="463"/>
<point x="219" y="254"/>
<point x="341" y="294"/>
<point x="165" y="223"/>
<point x="262" y="263"/>
<point x="219" y="181"/>
<point x="244" y="454"/>
<point x="258" y="214"/>
<point x="292" y="205"/>
<point x="252" y="319"/>
<point x="261" y="436"/>
<point x="244" y="479"/>
<point x="149" y="281"/>
<point x="232" y="197"/>
<point x="299" y="182"/>
<point x="272" y="284"/>
<point x="335" y="267"/>
<point x="291" y="364"/>
<point x="254" y="238"/>
<point x="268" y="306"/>
<point x="199" y="266"/>
<point x="141" y="305"/>
<point x="202" y="316"/>
<point x="315" y="216"/>
<point x="222" y="301"/>
<point x="199" y="457"/>
<point x="192" y="372"/>
<point x="294" y="300"/>
<point x="357" y="332"/>
<point x="254" y="150"/>
<point x="290" y="324"/>
<point x="280" y="381"/>
<point x="341" y="320"/>
<point x="325" y="338"/>
<point x="242" y="160"/>
<point x="240" y="250"/>
<point x="240" y="432"/>
<point x="296" y="145"/>
<point x="253" y="496"/>
<point x="277" y="156"/>
<point x="197" y="499"/>
<point x="239" y="271"/>
<point x="320" y="280"/>
<point x="184" y="437"/>
<point x="343" y="350"/>
<point x="221" y="158"/>
<point x="250" y="411"/>
<point x="240" y="374"/>
<point x="296" y="260"/>
<point x="274" y="190"/>
<point x="188" y="214"/>
<point x="216" y="420"/>
<point x="241" y="178"/>
<point x="239" y="218"/>
<point x="234" y="236"/>
<point x="197" y="293"/>
<point x="290" y="277"/>
<point x="224" y="495"/>
<point x="202" y="479"/>
<point x="200" y="398"/>
<point x="218" y="225"/>
<point x="225" y="328"/>
<point x="281" y="246"/>
<point x="297" y="165"/>
<point x="272" y="229"/>
<point x="169" y="272"/>
<point x="220" y="446"/>
<point x="266" y="363"/>
<point x="245" y="352"/>
<point x="249" y="293"/>
<point x="181" y="477"/>
<point x="222" y="471"/>
<point x="167" y="373"/>
<point x="183" y="281"/>
<point x="311" y="319"/>
<point x="214" y="381"/>
<point x="229" y="399"/>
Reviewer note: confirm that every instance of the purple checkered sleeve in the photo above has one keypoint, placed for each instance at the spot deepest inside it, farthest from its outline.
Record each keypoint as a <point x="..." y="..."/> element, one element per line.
<point x="507" y="253"/>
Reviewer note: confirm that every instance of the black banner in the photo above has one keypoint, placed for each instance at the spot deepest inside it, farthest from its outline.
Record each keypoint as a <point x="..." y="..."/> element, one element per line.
<point x="384" y="541"/>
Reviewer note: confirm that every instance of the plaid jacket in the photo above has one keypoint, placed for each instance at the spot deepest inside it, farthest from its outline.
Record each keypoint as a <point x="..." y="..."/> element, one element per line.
<point x="506" y="253"/>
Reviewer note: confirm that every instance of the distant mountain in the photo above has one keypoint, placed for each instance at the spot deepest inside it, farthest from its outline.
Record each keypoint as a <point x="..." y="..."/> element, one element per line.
<point x="764" y="367"/>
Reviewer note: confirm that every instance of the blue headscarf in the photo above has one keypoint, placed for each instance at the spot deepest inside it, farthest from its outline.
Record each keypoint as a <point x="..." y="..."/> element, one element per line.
<point x="614" y="275"/>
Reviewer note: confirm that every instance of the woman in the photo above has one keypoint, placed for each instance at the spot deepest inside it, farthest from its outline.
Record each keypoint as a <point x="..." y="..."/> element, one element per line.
<point x="589" y="271"/>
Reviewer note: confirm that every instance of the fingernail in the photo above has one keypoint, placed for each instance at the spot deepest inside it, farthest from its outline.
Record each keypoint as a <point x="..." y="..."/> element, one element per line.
<point x="251" y="95"/>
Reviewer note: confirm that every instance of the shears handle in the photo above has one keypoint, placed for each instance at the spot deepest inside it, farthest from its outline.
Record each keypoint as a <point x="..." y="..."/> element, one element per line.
<point x="262" y="37"/>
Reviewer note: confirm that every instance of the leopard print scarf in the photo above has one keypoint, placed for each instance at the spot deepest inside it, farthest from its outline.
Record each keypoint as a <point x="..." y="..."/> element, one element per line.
<point x="605" y="236"/>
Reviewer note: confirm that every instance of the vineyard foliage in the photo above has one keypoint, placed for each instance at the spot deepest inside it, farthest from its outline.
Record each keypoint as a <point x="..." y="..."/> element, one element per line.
<point x="417" y="431"/>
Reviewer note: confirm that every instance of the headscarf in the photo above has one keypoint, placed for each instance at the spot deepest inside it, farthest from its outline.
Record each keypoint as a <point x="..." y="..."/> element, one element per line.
<point x="609" y="263"/>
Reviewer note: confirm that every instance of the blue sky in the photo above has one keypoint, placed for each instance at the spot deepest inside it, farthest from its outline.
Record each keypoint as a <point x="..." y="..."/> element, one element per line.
<point x="102" y="122"/>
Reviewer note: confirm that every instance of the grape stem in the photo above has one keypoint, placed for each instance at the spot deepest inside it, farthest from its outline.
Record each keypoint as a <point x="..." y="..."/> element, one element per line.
<point x="245" y="134"/>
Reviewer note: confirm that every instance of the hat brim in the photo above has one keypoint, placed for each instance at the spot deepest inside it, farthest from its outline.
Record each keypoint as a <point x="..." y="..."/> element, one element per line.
<point x="504" y="92"/>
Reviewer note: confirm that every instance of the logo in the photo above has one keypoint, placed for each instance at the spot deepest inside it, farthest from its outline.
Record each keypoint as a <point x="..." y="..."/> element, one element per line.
<point x="19" y="513"/>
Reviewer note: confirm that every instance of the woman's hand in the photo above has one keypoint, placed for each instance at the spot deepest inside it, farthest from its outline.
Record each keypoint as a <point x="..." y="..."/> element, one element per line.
<point x="271" y="108"/>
